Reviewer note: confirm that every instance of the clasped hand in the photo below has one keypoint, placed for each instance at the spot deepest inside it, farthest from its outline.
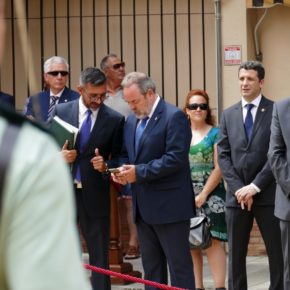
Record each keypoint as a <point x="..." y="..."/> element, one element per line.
<point x="245" y="196"/>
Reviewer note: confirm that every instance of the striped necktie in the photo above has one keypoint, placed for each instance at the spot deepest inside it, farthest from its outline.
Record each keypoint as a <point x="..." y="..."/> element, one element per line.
<point x="53" y="100"/>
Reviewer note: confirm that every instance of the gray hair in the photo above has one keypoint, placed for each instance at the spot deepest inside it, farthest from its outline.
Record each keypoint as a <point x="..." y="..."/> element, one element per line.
<point x="143" y="82"/>
<point x="104" y="61"/>
<point x="54" y="60"/>
<point x="93" y="76"/>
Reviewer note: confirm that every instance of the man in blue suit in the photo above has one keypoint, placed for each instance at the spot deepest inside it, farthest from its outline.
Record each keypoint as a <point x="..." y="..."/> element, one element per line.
<point x="7" y="99"/>
<point x="157" y="166"/>
<point x="40" y="106"/>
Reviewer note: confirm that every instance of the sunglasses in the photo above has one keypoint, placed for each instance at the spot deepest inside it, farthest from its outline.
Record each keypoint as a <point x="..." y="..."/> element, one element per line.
<point x="56" y="73"/>
<point x="194" y="106"/>
<point x="118" y="65"/>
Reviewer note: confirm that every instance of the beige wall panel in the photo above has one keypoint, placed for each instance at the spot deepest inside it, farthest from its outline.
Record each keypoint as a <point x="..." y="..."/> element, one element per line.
<point x="275" y="46"/>
<point x="128" y="44"/>
<point x="141" y="44"/>
<point x="141" y="7"/>
<point x="48" y="38"/>
<point x="208" y="6"/>
<point x="251" y="22"/>
<point x="233" y="33"/>
<point x="195" y="6"/>
<point x="34" y="67"/>
<point x="33" y="8"/>
<point x="101" y="39"/>
<point x="169" y="59"/>
<point x="48" y="8"/>
<point x="127" y="7"/>
<point x="114" y="7"/>
<point x="154" y="7"/>
<point x="74" y="8"/>
<point x="100" y="7"/>
<point x="88" y="42"/>
<point x="21" y="88"/>
<point x="182" y="7"/>
<point x="75" y="51"/>
<point x="168" y="6"/>
<point x="62" y="37"/>
<point x="61" y="8"/>
<point x="114" y="34"/>
<point x="210" y="59"/>
<point x="182" y="58"/>
<point x="155" y="51"/>
<point x="196" y="52"/>
<point x="6" y="74"/>
<point x="87" y="8"/>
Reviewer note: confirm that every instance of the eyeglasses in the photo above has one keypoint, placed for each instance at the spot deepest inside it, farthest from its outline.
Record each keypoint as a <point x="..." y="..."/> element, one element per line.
<point x="118" y="65"/>
<point x="98" y="97"/>
<point x="194" y="106"/>
<point x="56" y="73"/>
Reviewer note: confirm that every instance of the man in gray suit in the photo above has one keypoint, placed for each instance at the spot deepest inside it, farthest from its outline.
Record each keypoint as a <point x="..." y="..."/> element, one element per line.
<point x="242" y="147"/>
<point x="279" y="158"/>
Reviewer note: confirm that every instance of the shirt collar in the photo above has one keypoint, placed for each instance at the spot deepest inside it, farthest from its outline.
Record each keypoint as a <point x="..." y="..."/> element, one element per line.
<point x="83" y="109"/>
<point x="255" y="102"/>
<point x="154" y="106"/>
<point x="57" y="95"/>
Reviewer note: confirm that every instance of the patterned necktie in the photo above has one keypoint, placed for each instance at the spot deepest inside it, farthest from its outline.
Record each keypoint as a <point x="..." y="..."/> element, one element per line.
<point x="84" y="135"/>
<point x="249" y="121"/>
<point x="139" y="131"/>
<point x="53" y="100"/>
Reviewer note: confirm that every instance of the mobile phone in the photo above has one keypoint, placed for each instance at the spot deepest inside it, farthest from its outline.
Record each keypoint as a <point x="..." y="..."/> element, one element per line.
<point x="114" y="170"/>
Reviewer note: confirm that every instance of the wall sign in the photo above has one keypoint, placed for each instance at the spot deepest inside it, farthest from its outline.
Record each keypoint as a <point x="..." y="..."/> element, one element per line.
<point x="232" y="55"/>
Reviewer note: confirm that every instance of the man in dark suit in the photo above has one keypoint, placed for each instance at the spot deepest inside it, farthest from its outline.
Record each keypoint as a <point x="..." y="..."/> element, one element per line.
<point x="102" y="140"/>
<point x="40" y="106"/>
<point x="243" y="145"/>
<point x="279" y="158"/>
<point x="7" y="99"/>
<point x="157" y="166"/>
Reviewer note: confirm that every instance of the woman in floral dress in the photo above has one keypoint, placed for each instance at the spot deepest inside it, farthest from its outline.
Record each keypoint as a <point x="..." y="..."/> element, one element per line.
<point x="208" y="185"/>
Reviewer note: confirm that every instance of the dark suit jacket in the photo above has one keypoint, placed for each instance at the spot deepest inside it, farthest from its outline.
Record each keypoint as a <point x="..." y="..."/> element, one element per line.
<point x="8" y="99"/>
<point x="279" y="157"/>
<point x="38" y="105"/>
<point x="106" y="135"/>
<point x="163" y="190"/>
<point x="244" y="162"/>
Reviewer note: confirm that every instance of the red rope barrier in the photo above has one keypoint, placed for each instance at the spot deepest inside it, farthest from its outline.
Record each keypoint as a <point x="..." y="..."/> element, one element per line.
<point x="130" y="278"/>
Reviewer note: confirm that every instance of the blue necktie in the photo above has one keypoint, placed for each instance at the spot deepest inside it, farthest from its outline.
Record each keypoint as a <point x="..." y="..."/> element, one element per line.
<point x="53" y="100"/>
<point x="84" y="135"/>
<point x="249" y="121"/>
<point x="139" y="132"/>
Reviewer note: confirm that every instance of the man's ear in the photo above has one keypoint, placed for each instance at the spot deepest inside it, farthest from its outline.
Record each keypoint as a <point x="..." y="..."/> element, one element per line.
<point x="80" y="89"/>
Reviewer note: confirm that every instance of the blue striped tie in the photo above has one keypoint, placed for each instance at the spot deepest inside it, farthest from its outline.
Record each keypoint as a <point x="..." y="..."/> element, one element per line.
<point x="53" y="100"/>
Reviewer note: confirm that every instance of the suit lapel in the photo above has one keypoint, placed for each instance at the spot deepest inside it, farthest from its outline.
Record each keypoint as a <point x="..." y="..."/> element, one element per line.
<point x="239" y="121"/>
<point x="262" y="112"/>
<point x="153" y="121"/>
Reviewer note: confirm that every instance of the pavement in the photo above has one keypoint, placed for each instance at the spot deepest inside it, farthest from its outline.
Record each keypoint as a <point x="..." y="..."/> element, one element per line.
<point x="257" y="271"/>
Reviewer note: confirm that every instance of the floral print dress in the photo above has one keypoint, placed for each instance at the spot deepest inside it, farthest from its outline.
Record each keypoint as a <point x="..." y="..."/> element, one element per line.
<point x="201" y="158"/>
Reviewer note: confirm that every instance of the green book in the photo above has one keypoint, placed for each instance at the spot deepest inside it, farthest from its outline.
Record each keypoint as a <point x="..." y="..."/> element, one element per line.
<point x="63" y="131"/>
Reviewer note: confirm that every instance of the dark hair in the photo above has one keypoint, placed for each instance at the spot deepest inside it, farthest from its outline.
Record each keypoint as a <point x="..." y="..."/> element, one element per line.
<point x="93" y="76"/>
<point x="254" y="65"/>
<point x="104" y="61"/>
<point x="210" y="119"/>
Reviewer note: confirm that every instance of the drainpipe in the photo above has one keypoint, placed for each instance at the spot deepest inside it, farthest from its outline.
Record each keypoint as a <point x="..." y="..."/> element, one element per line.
<point x="217" y="5"/>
